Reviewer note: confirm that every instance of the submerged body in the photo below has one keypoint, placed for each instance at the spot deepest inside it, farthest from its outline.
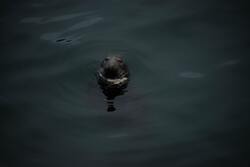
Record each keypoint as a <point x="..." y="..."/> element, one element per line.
<point x="113" y="78"/>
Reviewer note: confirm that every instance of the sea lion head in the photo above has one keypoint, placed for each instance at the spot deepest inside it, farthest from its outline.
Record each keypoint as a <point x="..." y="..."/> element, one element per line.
<point x="113" y="72"/>
<point x="113" y="67"/>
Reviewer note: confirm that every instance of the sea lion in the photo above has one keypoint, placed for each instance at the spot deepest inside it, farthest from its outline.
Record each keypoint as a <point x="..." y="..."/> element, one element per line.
<point x="113" y="78"/>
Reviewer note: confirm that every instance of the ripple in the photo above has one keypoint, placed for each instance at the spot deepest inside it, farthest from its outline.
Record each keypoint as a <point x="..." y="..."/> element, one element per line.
<point x="36" y="5"/>
<point x="45" y="20"/>
<point x="118" y="135"/>
<point x="59" y="38"/>
<point x="85" y="23"/>
<point x="68" y="17"/>
<point x="191" y="75"/>
<point x="36" y="20"/>
<point x="229" y="63"/>
<point x="71" y="38"/>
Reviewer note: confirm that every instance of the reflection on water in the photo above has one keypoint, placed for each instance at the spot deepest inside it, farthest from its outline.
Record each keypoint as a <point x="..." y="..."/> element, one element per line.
<point x="188" y="99"/>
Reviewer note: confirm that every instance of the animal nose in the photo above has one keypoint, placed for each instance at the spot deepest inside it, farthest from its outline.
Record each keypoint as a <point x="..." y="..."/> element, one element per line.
<point x="107" y="58"/>
<point x="119" y="60"/>
<point x="111" y="73"/>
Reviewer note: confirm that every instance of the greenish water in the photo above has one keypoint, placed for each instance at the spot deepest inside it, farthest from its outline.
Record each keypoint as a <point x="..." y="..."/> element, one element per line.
<point x="187" y="102"/>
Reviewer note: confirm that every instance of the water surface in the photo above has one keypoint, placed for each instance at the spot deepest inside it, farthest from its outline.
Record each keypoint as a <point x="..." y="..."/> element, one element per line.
<point x="187" y="102"/>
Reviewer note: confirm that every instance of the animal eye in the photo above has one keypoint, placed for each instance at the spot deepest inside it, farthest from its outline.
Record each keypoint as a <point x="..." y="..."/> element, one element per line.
<point x="107" y="58"/>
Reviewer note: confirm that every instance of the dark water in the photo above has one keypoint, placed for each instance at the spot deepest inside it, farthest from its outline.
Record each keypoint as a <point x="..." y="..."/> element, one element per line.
<point x="187" y="102"/>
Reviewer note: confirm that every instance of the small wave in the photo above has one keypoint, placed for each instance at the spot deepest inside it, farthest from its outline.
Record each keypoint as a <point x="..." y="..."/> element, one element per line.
<point x="45" y="20"/>
<point x="191" y="75"/>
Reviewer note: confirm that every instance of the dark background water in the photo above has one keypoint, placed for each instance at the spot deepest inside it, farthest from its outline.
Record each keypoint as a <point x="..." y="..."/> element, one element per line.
<point x="188" y="99"/>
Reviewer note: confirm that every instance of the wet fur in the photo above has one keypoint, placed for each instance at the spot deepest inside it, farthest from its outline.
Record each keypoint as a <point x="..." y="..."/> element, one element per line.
<point x="113" y="73"/>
